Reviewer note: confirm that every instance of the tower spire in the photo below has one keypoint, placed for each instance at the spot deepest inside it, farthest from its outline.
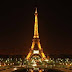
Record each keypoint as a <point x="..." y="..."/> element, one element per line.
<point x="36" y="34"/>
<point x="36" y="10"/>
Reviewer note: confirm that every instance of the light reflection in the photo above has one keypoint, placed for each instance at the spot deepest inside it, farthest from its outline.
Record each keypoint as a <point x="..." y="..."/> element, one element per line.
<point x="15" y="68"/>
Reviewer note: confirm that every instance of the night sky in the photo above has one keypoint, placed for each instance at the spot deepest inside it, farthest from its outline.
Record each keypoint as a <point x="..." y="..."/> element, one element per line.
<point x="17" y="22"/>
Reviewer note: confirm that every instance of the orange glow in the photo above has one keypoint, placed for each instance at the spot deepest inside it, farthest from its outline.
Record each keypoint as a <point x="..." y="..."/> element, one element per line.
<point x="33" y="43"/>
<point x="28" y="56"/>
<point x="43" y="55"/>
<point x="39" y="45"/>
<point x="31" y="70"/>
<point x="40" y="70"/>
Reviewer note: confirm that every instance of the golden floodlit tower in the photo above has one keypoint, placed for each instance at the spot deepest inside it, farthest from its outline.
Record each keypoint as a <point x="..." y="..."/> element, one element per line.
<point x="36" y="46"/>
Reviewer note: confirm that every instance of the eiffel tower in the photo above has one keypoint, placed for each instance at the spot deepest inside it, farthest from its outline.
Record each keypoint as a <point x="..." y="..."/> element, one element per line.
<point x="36" y="46"/>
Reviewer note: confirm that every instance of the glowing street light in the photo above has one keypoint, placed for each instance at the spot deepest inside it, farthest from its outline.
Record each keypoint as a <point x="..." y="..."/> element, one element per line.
<point x="15" y="68"/>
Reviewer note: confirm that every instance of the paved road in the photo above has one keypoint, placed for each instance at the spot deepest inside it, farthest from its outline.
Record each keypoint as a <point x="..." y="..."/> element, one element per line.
<point x="65" y="70"/>
<point x="15" y="67"/>
<point x="9" y="69"/>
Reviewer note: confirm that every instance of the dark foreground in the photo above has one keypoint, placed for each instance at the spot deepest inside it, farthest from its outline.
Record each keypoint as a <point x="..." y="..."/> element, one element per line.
<point x="49" y="70"/>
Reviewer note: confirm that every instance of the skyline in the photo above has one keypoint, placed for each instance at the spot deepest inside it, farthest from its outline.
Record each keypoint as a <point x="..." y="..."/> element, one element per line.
<point x="16" y="30"/>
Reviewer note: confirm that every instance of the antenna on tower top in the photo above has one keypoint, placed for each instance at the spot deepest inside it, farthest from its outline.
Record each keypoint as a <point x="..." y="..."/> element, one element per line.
<point x="36" y="10"/>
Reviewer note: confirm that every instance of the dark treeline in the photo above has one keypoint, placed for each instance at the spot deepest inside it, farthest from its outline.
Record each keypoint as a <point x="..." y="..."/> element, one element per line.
<point x="51" y="56"/>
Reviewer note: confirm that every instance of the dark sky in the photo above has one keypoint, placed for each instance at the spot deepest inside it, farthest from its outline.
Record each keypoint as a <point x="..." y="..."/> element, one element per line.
<point x="17" y="21"/>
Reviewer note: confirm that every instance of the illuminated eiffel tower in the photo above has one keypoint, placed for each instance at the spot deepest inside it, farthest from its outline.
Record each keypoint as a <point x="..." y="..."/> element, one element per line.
<point x="36" y="46"/>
